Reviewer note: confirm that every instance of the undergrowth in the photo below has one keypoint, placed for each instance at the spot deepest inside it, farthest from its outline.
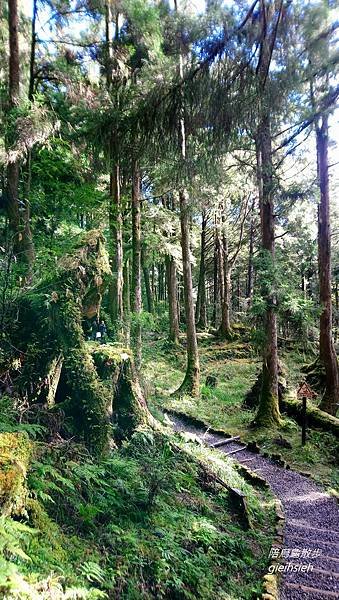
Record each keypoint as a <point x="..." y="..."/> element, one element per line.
<point x="142" y="523"/>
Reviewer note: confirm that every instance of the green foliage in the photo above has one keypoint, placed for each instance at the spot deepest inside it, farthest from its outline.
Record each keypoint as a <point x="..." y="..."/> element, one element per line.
<point x="137" y="521"/>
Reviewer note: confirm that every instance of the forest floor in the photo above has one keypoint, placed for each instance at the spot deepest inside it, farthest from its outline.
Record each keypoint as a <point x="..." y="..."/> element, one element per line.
<point x="149" y="521"/>
<point x="236" y="365"/>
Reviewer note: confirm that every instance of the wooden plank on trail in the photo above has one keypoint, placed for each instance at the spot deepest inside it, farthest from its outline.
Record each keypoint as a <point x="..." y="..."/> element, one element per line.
<point x="296" y="536"/>
<point x="311" y="590"/>
<point x="237" y="450"/>
<point x="318" y="529"/>
<point x="328" y="573"/>
<point x="225" y="441"/>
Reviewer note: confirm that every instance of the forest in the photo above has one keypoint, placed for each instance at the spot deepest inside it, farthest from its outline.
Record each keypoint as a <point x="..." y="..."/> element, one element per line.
<point x="169" y="299"/>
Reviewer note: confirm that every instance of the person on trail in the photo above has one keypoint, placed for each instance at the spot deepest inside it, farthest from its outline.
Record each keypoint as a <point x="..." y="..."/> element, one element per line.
<point x="103" y="331"/>
<point x="95" y="329"/>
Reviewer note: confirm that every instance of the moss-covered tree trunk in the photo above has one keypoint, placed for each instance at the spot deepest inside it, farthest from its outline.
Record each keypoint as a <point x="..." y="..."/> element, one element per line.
<point x="191" y="381"/>
<point x="225" y="329"/>
<point x="250" y="268"/>
<point x="328" y="356"/>
<point x="215" y="276"/>
<point x="268" y="411"/>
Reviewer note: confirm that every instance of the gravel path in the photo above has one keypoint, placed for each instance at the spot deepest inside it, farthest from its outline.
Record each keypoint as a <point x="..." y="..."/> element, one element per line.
<point x="311" y="527"/>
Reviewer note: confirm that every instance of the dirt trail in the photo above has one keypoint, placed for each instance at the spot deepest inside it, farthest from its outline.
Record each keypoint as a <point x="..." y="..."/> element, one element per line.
<point x="312" y="522"/>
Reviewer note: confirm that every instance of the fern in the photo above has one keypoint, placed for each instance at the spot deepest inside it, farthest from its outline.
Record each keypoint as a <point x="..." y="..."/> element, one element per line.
<point x="13" y="536"/>
<point x="92" y="572"/>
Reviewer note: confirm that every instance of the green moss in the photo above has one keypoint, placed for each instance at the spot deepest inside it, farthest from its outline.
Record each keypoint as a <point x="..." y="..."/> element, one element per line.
<point x="45" y="547"/>
<point x="15" y="453"/>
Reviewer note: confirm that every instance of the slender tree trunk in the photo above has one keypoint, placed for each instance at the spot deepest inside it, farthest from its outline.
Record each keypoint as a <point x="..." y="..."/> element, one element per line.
<point x="327" y="351"/>
<point x="215" y="277"/>
<point x="201" y="309"/>
<point x="147" y="281"/>
<point x="116" y="234"/>
<point x="115" y="212"/>
<point x="249" y="288"/>
<point x="126" y="288"/>
<point x="108" y="45"/>
<point x="268" y="411"/>
<point x="161" y="295"/>
<point x="19" y="227"/>
<point x="191" y="382"/>
<point x="32" y="56"/>
<point x="127" y="302"/>
<point x="225" y="329"/>
<point x="12" y="200"/>
<point x="172" y="288"/>
<point x="136" y="261"/>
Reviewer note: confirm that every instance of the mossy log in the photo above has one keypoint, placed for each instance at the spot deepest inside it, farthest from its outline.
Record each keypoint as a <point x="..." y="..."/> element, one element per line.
<point x="315" y="417"/>
<point x="57" y="364"/>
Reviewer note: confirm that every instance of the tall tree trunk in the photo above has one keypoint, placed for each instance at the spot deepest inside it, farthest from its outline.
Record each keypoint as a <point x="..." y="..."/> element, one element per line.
<point x="268" y="411"/>
<point x="249" y="287"/>
<point x="191" y="382"/>
<point x="327" y="351"/>
<point x="201" y="309"/>
<point x="115" y="212"/>
<point x="225" y="329"/>
<point x="32" y="56"/>
<point x="161" y="295"/>
<point x="127" y="301"/>
<point x="126" y="287"/>
<point x="116" y="229"/>
<point x="136" y="261"/>
<point x="172" y="287"/>
<point x="147" y="281"/>
<point x="215" y="277"/>
<point x="20" y="228"/>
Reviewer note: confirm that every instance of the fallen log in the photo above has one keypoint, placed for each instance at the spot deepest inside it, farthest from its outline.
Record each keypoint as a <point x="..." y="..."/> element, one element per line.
<point x="315" y="417"/>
